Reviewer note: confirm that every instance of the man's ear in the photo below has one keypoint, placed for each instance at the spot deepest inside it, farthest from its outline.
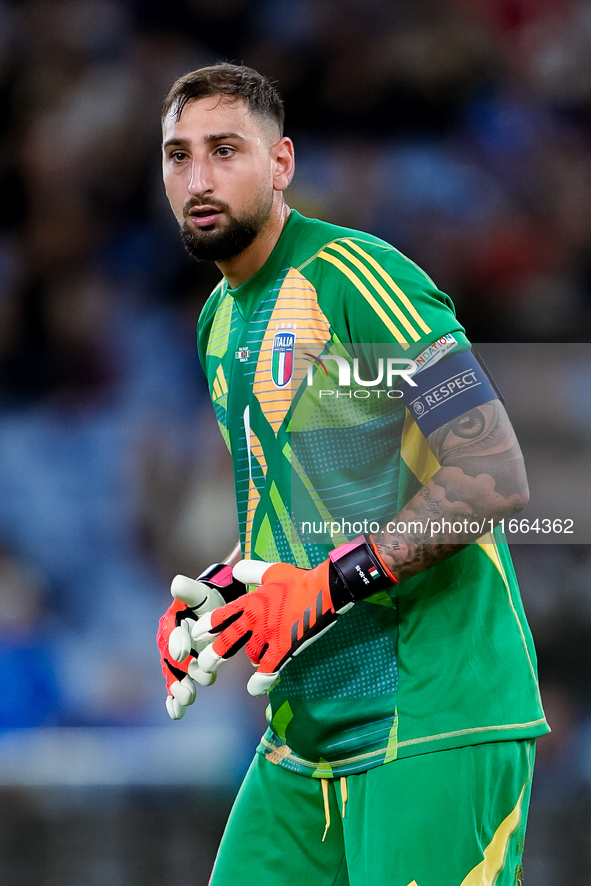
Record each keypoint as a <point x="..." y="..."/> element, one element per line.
<point x="282" y="156"/>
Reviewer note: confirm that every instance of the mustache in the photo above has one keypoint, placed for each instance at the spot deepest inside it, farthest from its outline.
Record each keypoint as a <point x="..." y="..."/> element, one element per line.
<point x="195" y="202"/>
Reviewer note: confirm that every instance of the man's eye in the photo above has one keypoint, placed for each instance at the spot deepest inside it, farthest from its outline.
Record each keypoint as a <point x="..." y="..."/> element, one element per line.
<point x="225" y="151"/>
<point x="177" y="156"/>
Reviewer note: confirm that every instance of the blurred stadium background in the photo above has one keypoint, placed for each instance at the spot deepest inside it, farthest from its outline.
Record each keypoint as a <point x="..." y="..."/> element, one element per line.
<point x="460" y="131"/>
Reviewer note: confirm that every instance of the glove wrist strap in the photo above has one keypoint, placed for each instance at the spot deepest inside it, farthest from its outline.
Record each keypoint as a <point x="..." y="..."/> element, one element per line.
<point x="356" y="572"/>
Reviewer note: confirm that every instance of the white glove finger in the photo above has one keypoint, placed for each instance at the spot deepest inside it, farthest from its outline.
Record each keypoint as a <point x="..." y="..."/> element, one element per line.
<point x="200" y="645"/>
<point x="183" y="691"/>
<point x="209" y="660"/>
<point x="250" y="572"/>
<point x="186" y="623"/>
<point x="260" y="683"/>
<point x="214" y="599"/>
<point x="176" y="711"/>
<point x="200" y="676"/>
<point x="188" y="683"/>
<point x="201" y="629"/>
<point x="195" y="594"/>
<point x="179" y="643"/>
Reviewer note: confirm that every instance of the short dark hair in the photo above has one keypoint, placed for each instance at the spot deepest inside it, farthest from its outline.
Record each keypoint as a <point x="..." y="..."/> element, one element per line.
<point x="226" y="79"/>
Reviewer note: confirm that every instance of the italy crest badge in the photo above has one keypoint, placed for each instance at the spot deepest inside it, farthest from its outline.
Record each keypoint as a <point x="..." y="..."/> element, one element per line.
<point x="282" y="358"/>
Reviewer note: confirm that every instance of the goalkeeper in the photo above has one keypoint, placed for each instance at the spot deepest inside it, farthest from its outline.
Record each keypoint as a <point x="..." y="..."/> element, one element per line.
<point x="401" y="673"/>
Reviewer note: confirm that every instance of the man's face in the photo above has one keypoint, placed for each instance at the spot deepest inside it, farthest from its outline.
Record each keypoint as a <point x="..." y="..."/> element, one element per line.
<point x="218" y="175"/>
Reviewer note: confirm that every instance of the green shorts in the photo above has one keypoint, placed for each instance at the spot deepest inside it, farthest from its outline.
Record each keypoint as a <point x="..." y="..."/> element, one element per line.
<point x="448" y="818"/>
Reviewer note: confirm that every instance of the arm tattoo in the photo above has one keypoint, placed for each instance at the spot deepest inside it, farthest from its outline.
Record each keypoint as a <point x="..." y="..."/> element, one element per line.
<point x="481" y="476"/>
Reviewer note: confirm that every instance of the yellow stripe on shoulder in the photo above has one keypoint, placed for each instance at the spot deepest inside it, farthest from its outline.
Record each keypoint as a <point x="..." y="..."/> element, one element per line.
<point x="392" y="284"/>
<point x="338" y="247"/>
<point x="348" y="272"/>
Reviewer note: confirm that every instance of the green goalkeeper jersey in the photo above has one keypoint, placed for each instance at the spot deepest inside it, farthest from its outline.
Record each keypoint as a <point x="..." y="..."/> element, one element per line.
<point x="301" y="362"/>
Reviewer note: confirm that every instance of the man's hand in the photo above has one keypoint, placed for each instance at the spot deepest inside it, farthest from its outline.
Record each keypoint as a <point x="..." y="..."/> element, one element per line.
<point x="180" y="687"/>
<point x="193" y="598"/>
<point x="290" y="609"/>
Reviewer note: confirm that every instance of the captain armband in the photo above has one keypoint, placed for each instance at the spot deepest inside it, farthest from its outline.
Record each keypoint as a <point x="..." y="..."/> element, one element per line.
<point x="449" y="389"/>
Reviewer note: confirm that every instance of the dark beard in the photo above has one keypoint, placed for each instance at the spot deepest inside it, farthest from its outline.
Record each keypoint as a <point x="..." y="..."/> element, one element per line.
<point x="227" y="242"/>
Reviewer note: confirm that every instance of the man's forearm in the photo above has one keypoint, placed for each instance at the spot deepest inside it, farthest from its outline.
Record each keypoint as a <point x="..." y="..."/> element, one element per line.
<point x="481" y="480"/>
<point x="428" y="536"/>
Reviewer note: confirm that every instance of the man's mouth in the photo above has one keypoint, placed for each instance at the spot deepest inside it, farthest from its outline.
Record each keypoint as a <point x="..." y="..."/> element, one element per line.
<point x="203" y="216"/>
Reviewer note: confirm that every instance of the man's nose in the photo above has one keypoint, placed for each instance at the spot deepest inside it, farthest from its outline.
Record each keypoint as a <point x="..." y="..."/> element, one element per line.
<point x="201" y="181"/>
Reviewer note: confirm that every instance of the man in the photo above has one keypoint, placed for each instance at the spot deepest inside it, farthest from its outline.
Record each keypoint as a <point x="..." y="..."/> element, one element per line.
<point x="373" y="461"/>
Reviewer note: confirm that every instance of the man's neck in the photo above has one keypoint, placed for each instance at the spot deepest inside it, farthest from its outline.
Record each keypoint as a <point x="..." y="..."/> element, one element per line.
<point x="242" y="267"/>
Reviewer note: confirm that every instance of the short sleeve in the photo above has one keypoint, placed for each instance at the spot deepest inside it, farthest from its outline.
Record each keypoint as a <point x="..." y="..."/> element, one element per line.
<point x="371" y="293"/>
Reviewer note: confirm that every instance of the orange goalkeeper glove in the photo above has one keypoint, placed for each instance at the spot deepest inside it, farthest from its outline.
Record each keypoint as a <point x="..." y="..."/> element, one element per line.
<point x="290" y="610"/>
<point x="178" y="652"/>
